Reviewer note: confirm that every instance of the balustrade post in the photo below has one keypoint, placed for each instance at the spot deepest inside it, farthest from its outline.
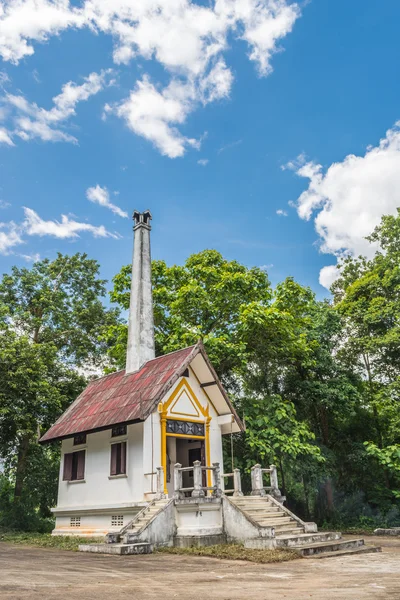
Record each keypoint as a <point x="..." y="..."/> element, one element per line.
<point x="274" y="477"/>
<point x="217" y="492"/>
<point x="237" y="483"/>
<point x="257" y="481"/>
<point x="178" y="481"/>
<point x="275" y="491"/>
<point x="160" y="483"/>
<point x="197" y="480"/>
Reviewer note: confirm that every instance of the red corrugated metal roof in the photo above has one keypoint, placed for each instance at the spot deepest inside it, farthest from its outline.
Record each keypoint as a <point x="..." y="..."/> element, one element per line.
<point x="119" y="398"/>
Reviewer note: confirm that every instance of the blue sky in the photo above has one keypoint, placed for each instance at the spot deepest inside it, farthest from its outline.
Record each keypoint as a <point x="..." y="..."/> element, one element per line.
<point x="288" y="107"/>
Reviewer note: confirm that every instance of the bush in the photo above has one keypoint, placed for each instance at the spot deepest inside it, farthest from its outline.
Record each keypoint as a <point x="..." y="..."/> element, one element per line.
<point x="20" y="514"/>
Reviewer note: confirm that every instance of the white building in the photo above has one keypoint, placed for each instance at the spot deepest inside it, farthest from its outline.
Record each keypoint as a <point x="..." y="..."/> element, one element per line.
<point x="155" y="413"/>
<point x="142" y="453"/>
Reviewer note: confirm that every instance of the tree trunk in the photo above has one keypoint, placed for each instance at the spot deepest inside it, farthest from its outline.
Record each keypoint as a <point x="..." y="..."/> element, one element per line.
<point x="21" y="466"/>
<point x="329" y="496"/>
<point x="307" y="505"/>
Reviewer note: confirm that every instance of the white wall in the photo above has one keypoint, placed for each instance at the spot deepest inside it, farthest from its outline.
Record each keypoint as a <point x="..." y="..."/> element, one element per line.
<point x="151" y="454"/>
<point x="98" y="489"/>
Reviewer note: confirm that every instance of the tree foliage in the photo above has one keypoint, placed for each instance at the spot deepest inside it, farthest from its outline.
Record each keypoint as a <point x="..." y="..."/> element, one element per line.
<point x="316" y="382"/>
<point x="52" y="322"/>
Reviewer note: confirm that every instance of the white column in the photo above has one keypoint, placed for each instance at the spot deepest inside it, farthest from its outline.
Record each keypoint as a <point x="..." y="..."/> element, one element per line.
<point x="178" y="481"/>
<point x="257" y="481"/>
<point x="217" y="493"/>
<point x="237" y="483"/>
<point x="197" y="480"/>
<point x="141" y="347"/>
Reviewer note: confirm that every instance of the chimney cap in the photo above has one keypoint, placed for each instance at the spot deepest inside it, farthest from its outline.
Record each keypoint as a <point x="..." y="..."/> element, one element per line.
<point x="141" y="219"/>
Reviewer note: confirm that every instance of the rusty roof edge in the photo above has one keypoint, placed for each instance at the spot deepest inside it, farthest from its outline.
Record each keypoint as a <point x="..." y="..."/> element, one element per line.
<point x="86" y="431"/>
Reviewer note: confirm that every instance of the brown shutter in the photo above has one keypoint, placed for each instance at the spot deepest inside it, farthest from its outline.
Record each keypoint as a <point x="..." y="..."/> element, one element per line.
<point x="80" y="470"/>
<point x="67" y="473"/>
<point x="113" y="465"/>
<point x="123" y="458"/>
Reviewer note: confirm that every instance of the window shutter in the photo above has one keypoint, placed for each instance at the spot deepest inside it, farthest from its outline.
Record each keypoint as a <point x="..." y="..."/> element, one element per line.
<point x="67" y="474"/>
<point x="80" y="471"/>
<point x="123" y="458"/>
<point x="113" y="465"/>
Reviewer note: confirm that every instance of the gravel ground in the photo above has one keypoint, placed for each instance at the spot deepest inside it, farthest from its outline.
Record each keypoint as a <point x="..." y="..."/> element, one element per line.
<point x="45" y="574"/>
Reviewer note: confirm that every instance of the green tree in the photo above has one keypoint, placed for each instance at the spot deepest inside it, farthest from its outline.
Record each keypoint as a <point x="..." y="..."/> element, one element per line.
<point x="367" y="294"/>
<point x="52" y="321"/>
<point x="200" y="300"/>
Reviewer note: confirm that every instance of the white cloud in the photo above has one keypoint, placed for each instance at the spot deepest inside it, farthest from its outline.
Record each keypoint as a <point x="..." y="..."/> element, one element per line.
<point x="100" y="195"/>
<point x="217" y="83"/>
<point x="4" y="204"/>
<point x="5" y="137"/>
<point x="328" y="275"/>
<point x="187" y="39"/>
<point x="31" y="121"/>
<point x="282" y="213"/>
<point x="229" y="146"/>
<point x="10" y="236"/>
<point x="263" y="24"/>
<point x="350" y="197"/>
<point x="67" y="228"/>
<point x="30" y="257"/>
<point x="152" y="114"/>
<point x="23" y="21"/>
<point x="203" y="162"/>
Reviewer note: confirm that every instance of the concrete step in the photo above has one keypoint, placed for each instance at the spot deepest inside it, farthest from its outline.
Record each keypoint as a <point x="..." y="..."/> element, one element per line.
<point x="253" y="501"/>
<point x="241" y="502"/>
<point x="288" y="541"/>
<point x="331" y="546"/>
<point x="288" y="527"/>
<point x="141" y="548"/>
<point x="271" y="522"/>
<point x="289" y="532"/>
<point x="265" y="509"/>
<point x="347" y="552"/>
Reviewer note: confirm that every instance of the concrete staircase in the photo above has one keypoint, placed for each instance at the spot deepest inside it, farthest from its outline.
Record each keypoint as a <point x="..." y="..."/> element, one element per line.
<point x="291" y="532"/>
<point x="266" y="513"/>
<point x="133" y="537"/>
<point x="142" y="519"/>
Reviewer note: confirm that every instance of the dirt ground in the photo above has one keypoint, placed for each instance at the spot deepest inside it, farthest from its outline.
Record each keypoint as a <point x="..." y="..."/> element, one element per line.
<point x="44" y="574"/>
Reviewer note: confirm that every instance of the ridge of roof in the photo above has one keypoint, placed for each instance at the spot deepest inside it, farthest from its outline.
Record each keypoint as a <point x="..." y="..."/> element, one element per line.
<point x="144" y="364"/>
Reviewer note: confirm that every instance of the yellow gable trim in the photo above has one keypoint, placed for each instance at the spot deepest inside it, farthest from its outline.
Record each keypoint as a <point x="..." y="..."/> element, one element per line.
<point x="174" y="407"/>
<point x="180" y="388"/>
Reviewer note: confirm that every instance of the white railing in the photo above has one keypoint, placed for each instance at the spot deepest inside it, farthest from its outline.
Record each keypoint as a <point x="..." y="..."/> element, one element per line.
<point x="257" y="482"/>
<point x="237" y="483"/>
<point x="198" y="490"/>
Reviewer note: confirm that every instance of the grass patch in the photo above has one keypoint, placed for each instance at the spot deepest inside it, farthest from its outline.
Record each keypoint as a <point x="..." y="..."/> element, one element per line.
<point x="234" y="552"/>
<point x="46" y="540"/>
<point x="361" y="530"/>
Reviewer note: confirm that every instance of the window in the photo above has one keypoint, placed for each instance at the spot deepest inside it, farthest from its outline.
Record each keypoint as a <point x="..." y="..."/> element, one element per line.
<point x="75" y="522"/>
<point x="79" y="438"/>
<point x="74" y="466"/>
<point x="118" y="430"/>
<point x="118" y="459"/>
<point x="117" y="520"/>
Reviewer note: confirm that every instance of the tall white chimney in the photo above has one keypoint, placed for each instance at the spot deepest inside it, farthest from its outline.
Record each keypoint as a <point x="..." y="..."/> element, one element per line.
<point x="141" y="346"/>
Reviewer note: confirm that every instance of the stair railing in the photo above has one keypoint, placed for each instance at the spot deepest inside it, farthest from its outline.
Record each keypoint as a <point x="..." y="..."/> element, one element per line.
<point x="237" y="483"/>
<point x="198" y="490"/>
<point x="115" y="536"/>
<point x="257" y="482"/>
